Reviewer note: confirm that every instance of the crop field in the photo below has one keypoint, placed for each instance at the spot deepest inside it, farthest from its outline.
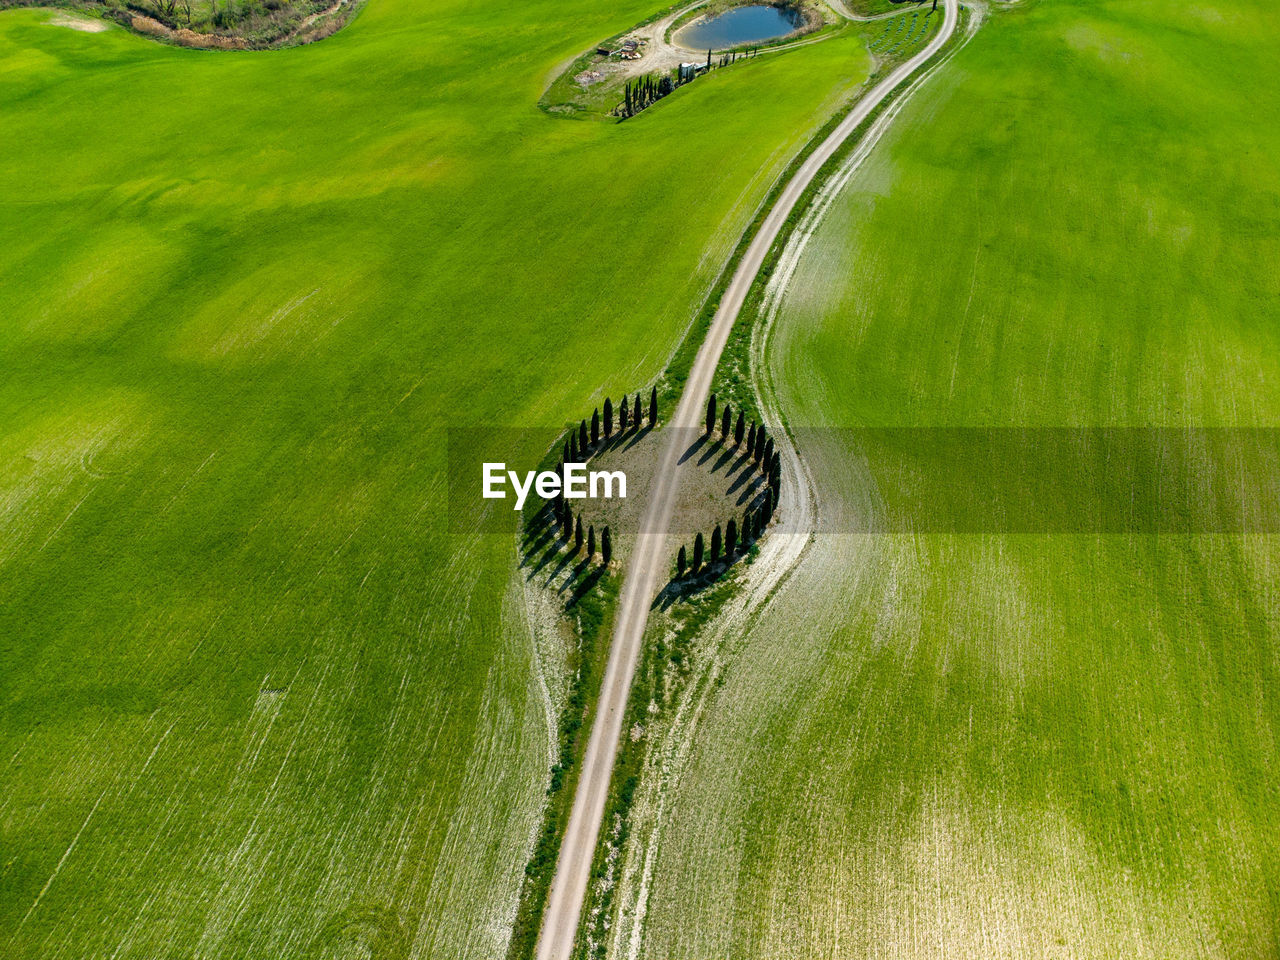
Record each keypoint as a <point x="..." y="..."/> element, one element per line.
<point x="1006" y="744"/>
<point x="256" y="700"/>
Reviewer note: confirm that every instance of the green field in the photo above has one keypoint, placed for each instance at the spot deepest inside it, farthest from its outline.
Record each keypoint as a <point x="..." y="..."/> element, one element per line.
<point x="1007" y="745"/>
<point x="256" y="702"/>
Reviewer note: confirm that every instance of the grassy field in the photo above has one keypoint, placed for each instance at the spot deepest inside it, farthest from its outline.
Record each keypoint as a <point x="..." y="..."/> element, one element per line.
<point x="256" y="700"/>
<point x="1008" y="745"/>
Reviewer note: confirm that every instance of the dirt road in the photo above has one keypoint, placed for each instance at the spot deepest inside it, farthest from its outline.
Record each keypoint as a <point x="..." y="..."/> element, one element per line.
<point x="647" y="569"/>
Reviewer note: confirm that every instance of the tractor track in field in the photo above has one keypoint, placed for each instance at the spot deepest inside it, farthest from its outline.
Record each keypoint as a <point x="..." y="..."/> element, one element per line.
<point x="648" y="561"/>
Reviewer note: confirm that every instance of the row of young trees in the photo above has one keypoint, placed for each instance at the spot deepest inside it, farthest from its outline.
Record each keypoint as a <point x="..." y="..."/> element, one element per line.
<point x="571" y="531"/>
<point x="579" y="446"/>
<point x="584" y="441"/>
<point x="755" y="442"/>
<point x="733" y="56"/>
<point x="647" y="91"/>
<point x="734" y="542"/>
<point x="758" y="443"/>
<point x="651" y="88"/>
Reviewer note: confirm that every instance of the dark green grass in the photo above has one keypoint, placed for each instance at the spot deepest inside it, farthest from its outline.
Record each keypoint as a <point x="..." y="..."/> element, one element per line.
<point x="1022" y="745"/>
<point x="256" y="701"/>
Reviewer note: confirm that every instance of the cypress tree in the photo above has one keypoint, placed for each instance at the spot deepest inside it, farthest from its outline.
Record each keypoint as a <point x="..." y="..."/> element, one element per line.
<point x="653" y="406"/>
<point x="595" y="426"/>
<point x="635" y="413"/>
<point x="725" y="422"/>
<point x="758" y="452"/>
<point x="606" y="547"/>
<point x="697" y="552"/>
<point x="739" y="429"/>
<point x="715" y="544"/>
<point x="777" y="463"/>
<point x="573" y="447"/>
<point x="711" y="415"/>
<point x="591" y="541"/>
<point x="566" y="458"/>
<point x="777" y="494"/>
<point x="751" y="437"/>
<point x="622" y="415"/>
<point x="757" y="526"/>
<point x="730" y="538"/>
<point x="582" y="439"/>
<point x="566" y="524"/>
<point x="681" y="562"/>
<point x="608" y="418"/>
<point x="768" y="452"/>
<point x="577" y="536"/>
<point x="747" y="527"/>
<point x="708" y="59"/>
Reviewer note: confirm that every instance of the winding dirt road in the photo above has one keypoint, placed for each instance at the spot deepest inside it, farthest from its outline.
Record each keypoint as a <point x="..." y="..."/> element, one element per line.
<point x="647" y="568"/>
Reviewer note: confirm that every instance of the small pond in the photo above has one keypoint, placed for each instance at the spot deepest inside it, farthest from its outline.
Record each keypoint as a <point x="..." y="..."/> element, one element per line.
<point x="753" y="24"/>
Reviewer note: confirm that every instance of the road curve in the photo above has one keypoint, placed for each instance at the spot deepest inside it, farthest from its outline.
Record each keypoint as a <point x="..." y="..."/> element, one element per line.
<point x="646" y="570"/>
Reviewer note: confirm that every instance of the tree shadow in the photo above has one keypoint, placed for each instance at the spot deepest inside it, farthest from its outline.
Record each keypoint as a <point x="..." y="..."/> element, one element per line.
<point x="637" y="436"/>
<point x="691" y="584"/>
<point x="581" y="585"/>
<point x="712" y="447"/>
<point x="692" y="449"/>
<point x="740" y="475"/>
<point x="566" y="558"/>
<point x="724" y="459"/>
<point x="752" y="489"/>
<point x="545" y="559"/>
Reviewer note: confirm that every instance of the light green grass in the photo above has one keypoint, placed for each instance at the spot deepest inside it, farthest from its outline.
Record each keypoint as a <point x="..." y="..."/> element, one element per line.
<point x="1015" y="746"/>
<point x="255" y="701"/>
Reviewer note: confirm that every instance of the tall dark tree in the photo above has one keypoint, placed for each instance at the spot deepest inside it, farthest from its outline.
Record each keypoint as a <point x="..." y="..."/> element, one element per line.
<point x="577" y="536"/>
<point x="595" y="426"/>
<point x="730" y="538"/>
<point x="726" y="419"/>
<point x="623" y="409"/>
<point x="606" y="546"/>
<point x="582" y="439"/>
<point x="757" y="525"/>
<point x="751" y="437"/>
<point x="591" y="541"/>
<point x="748" y="525"/>
<point x="715" y="544"/>
<point x="768" y="454"/>
<point x="711" y="415"/>
<point x="709" y="55"/>
<point x="758" y="452"/>
<point x="573" y="447"/>
<point x="566" y="524"/>
<point x="567" y="458"/>
<point x="697" y="552"/>
<point x="681" y="562"/>
<point x="608" y="418"/>
<point x="739" y="429"/>
<point x="637" y="412"/>
<point x="653" y="407"/>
